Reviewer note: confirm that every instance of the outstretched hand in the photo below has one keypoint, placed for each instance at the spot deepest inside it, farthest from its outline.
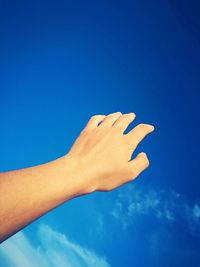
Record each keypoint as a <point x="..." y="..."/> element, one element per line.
<point x="103" y="151"/>
<point x="99" y="160"/>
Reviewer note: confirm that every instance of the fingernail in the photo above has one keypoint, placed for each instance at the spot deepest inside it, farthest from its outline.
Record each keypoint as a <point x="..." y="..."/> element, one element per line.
<point x="152" y="127"/>
<point x="143" y="154"/>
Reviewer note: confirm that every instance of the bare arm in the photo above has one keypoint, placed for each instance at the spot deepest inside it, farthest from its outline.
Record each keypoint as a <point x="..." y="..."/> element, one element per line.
<point x="99" y="160"/>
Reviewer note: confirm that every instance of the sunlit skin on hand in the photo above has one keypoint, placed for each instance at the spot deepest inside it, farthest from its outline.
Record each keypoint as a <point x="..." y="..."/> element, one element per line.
<point x="105" y="151"/>
<point x="98" y="160"/>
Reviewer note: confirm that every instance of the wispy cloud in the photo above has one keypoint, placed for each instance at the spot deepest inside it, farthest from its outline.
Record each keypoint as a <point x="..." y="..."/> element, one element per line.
<point x="196" y="211"/>
<point x="165" y="205"/>
<point x="53" y="249"/>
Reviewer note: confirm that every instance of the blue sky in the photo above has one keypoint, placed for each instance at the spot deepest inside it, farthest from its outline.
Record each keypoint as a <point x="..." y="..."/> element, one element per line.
<point x="62" y="62"/>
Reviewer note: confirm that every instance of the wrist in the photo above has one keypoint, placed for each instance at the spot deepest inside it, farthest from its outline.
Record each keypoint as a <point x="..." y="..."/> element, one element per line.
<point x="73" y="176"/>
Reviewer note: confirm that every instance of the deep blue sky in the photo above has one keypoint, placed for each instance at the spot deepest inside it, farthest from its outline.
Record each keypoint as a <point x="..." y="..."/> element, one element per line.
<point x="64" y="61"/>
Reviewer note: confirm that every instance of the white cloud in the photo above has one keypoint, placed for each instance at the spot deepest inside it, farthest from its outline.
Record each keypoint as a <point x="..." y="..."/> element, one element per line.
<point x="167" y="205"/>
<point x="117" y="210"/>
<point x="17" y="251"/>
<point x="100" y="225"/>
<point x="141" y="203"/>
<point x="169" y="215"/>
<point x="196" y="211"/>
<point x="54" y="249"/>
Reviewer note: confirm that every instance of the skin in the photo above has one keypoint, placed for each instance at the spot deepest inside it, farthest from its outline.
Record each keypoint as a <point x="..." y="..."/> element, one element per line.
<point x="99" y="160"/>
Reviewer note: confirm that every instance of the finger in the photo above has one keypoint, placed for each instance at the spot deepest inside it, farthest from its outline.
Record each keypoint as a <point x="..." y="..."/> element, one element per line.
<point x="137" y="134"/>
<point x="138" y="164"/>
<point x="93" y="122"/>
<point x="110" y="119"/>
<point x="123" y="121"/>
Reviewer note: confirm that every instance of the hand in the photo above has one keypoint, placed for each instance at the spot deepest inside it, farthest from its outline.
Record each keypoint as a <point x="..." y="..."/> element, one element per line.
<point x="99" y="160"/>
<point x="103" y="152"/>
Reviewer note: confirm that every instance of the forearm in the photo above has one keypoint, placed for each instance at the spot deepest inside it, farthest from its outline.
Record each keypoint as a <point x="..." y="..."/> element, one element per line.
<point x="28" y="193"/>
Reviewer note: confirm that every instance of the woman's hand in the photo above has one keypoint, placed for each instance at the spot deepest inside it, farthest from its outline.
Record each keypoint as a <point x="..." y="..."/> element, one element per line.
<point x="103" y="152"/>
<point x="98" y="160"/>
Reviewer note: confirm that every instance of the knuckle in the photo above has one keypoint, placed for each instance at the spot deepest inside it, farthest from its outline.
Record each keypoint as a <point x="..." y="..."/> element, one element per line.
<point x="93" y="117"/>
<point x="115" y="113"/>
<point x="111" y="115"/>
<point x="124" y="116"/>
